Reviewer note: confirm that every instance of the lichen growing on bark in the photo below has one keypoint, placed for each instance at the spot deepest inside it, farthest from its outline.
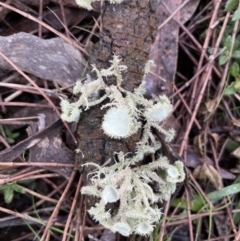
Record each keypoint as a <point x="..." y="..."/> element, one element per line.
<point x="87" y="3"/>
<point x="129" y="182"/>
<point x="131" y="186"/>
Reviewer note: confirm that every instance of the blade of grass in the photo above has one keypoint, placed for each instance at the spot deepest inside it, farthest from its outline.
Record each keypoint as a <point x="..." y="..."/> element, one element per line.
<point x="197" y="203"/>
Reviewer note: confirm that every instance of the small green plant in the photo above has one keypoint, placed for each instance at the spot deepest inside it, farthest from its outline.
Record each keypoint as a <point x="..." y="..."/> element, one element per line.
<point x="227" y="43"/>
<point x="225" y="55"/>
<point x="233" y="5"/>
<point x="233" y="72"/>
<point x="234" y="86"/>
<point x="9" y="189"/>
<point x="8" y="134"/>
<point x="128" y="183"/>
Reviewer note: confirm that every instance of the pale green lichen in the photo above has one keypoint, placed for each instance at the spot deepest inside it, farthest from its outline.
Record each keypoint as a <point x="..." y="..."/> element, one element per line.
<point x="132" y="186"/>
<point x="136" y="189"/>
<point x="87" y="3"/>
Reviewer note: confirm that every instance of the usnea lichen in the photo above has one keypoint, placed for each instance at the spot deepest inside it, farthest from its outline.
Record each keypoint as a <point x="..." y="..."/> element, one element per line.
<point x="135" y="188"/>
<point x="131" y="185"/>
<point x="126" y="109"/>
<point x="87" y="3"/>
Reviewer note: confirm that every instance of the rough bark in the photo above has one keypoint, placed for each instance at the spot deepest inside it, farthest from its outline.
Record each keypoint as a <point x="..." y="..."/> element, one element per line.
<point x="128" y="31"/>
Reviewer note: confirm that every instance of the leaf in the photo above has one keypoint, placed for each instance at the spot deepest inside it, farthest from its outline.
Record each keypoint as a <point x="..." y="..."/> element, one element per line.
<point x="236" y="54"/>
<point x="230" y="90"/>
<point x="198" y="144"/>
<point x="231" y="5"/>
<point x="235" y="122"/>
<point x="198" y="202"/>
<point x="236" y="152"/>
<point x="236" y="43"/>
<point x="17" y="188"/>
<point x="10" y="140"/>
<point x="234" y="69"/>
<point x="211" y="105"/>
<point x="186" y="12"/>
<point x="8" y="194"/>
<point x="216" y="138"/>
<point x="2" y="187"/>
<point x="15" y="135"/>
<point x="222" y="59"/>
<point x="236" y="15"/>
<point x="228" y="42"/>
<point x="228" y="31"/>
<point x="232" y="145"/>
<point x="237" y="84"/>
<point x="208" y="172"/>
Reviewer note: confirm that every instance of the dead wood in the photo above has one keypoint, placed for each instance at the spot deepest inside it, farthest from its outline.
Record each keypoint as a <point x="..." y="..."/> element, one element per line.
<point x="52" y="59"/>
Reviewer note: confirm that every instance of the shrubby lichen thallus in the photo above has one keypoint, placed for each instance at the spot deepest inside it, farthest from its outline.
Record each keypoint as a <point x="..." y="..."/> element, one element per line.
<point x="128" y="182"/>
<point x="87" y="3"/>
